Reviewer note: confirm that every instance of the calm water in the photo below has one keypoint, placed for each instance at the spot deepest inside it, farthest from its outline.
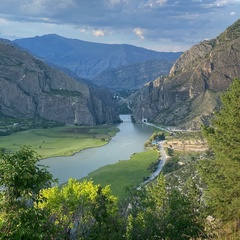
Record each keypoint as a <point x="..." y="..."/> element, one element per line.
<point x="128" y="140"/>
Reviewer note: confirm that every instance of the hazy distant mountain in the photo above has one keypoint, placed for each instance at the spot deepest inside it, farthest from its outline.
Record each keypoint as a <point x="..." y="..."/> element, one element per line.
<point x="190" y="94"/>
<point x="88" y="59"/>
<point x="30" y="89"/>
<point x="132" y="76"/>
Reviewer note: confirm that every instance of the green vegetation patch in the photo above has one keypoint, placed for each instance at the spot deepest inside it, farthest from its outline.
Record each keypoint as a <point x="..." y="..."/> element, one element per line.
<point x="125" y="173"/>
<point x="178" y="160"/>
<point x="60" y="141"/>
<point x="179" y="177"/>
<point x="9" y="125"/>
<point x="191" y="135"/>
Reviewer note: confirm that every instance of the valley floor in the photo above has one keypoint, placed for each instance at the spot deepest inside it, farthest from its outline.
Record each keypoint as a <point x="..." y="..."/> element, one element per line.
<point x="59" y="141"/>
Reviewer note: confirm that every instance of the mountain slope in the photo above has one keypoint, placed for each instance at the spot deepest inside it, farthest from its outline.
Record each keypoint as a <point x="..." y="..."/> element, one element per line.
<point x="190" y="94"/>
<point x="88" y="59"/>
<point x="29" y="88"/>
<point x="132" y="76"/>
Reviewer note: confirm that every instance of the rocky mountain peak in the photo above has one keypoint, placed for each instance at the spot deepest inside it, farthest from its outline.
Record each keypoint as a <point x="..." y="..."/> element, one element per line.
<point x="30" y="88"/>
<point x="230" y="34"/>
<point x="192" y="57"/>
<point x="190" y="94"/>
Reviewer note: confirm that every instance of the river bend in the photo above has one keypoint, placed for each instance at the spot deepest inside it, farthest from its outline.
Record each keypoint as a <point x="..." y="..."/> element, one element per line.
<point x="130" y="139"/>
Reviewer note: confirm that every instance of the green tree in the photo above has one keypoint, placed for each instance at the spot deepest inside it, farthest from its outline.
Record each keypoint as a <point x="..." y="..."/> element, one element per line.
<point x="158" y="213"/>
<point x="82" y="210"/>
<point x="21" y="180"/>
<point x="146" y="211"/>
<point x="183" y="214"/>
<point x="221" y="173"/>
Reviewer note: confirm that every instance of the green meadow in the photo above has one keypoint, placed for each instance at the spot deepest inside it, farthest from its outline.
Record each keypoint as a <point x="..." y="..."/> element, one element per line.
<point x="65" y="141"/>
<point x="125" y="173"/>
<point x="59" y="141"/>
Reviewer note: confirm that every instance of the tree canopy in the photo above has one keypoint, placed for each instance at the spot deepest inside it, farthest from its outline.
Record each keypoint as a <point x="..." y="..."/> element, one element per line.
<point x="21" y="179"/>
<point x="81" y="210"/>
<point x="221" y="172"/>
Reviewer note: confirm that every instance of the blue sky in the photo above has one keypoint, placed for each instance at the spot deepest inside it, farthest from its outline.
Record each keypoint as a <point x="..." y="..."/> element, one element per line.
<point x="162" y="25"/>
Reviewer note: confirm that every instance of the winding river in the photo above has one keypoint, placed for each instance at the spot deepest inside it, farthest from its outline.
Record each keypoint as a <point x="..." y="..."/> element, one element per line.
<point x="130" y="139"/>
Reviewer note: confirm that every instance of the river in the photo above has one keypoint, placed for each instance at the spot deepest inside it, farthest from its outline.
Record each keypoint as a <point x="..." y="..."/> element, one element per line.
<point x="130" y="139"/>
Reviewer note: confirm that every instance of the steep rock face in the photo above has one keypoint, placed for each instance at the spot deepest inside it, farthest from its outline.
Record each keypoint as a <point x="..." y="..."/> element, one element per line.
<point x="133" y="76"/>
<point x="29" y="88"/>
<point x="188" y="97"/>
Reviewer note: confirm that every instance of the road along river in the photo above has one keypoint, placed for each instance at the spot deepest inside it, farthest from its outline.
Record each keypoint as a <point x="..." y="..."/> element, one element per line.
<point x="163" y="158"/>
<point x="130" y="139"/>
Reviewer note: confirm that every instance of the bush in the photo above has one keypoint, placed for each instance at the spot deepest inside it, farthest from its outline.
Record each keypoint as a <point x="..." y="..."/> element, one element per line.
<point x="171" y="165"/>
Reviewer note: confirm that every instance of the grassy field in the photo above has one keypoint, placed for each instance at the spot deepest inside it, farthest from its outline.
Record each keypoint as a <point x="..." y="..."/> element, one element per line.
<point x="59" y="141"/>
<point x="125" y="173"/>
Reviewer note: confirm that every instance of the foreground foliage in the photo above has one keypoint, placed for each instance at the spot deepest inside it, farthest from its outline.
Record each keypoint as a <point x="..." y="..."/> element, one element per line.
<point x="221" y="172"/>
<point x="158" y="213"/>
<point x="81" y="210"/>
<point x="21" y="180"/>
<point x="32" y="209"/>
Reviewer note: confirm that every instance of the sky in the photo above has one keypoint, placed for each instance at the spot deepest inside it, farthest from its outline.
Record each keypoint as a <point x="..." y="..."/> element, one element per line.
<point x="161" y="25"/>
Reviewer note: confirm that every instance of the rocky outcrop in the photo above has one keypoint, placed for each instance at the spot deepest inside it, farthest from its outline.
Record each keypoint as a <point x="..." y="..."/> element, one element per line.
<point x="190" y="94"/>
<point x="29" y="88"/>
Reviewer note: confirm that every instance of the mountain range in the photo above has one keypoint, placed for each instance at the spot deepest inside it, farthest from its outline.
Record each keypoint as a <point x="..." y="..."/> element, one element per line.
<point x="188" y="97"/>
<point x="118" y="66"/>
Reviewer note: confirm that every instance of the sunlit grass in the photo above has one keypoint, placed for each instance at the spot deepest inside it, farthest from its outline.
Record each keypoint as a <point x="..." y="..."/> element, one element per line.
<point x="60" y="141"/>
<point x="125" y="173"/>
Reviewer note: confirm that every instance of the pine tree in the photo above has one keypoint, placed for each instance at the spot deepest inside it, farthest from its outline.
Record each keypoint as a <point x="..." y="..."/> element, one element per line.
<point x="222" y="172"/>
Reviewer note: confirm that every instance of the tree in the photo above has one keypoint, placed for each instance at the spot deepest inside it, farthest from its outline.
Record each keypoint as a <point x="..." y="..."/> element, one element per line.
<point x="21" y="180"/>
<point x="224" y="135"/>
<point x="82" y="210"/>
<point x="221" y="173"/>
<point x="183" y="213"/>
<point x="158" y="212"/>
<point x="146" y="213"/>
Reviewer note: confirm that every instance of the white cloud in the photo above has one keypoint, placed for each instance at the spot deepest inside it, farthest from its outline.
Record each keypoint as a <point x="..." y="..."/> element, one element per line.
<point x="218" y="3"/>
<point x="116" y="3"/>
<point x="3" y="21"/>
<point x="83" y="30"/>
<point x="139" y="32"/>
<point x="136" y="22"/>
<point x="155" y="3"/>
<point x="221" y="3"/>
<point x="98" y="33"/>
<point x="161" y="2"/>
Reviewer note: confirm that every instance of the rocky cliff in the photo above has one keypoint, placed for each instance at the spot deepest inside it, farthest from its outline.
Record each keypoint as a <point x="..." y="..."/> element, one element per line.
<point x="190" y="94"/>
<point x="29" y="88"/>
